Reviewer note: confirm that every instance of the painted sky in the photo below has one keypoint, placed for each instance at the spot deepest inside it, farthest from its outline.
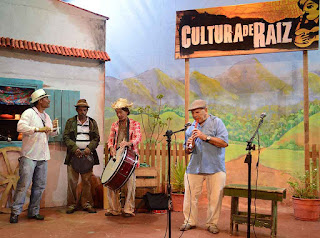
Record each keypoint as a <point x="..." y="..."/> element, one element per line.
<point x="140" y="36"/>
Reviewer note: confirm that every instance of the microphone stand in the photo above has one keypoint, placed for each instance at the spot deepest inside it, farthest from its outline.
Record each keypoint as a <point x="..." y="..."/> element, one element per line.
<point x="248" y="160"/>
<point x="168" y="134"/>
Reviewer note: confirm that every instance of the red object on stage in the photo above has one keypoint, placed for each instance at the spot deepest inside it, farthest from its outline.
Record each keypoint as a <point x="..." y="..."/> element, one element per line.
<point x="6" y="116"/>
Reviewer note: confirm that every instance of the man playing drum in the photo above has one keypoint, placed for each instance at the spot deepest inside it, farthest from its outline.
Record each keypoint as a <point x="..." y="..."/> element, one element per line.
<point x="123" y="133"/>
<point x="81" y="136"/>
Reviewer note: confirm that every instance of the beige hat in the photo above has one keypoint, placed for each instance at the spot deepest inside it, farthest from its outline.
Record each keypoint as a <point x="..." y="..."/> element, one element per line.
<point x="38" y="94"/>
<point x="121" y="103"/>
<point x="197" y="104"/>
<point x="82" y="103"/>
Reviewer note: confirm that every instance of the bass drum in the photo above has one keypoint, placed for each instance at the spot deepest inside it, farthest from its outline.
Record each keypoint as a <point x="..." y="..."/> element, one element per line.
<point x="119" y="169"/>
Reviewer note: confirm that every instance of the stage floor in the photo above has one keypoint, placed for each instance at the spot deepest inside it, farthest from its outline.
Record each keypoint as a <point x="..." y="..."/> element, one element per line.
<point x="82" y="224"/>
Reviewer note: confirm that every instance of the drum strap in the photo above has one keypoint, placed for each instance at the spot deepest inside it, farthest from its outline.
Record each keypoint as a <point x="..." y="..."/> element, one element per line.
<point x="128" y="127"/>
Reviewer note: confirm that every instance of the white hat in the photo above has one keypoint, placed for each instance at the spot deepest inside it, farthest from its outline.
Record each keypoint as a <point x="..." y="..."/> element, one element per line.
<point x="37" y="95"/>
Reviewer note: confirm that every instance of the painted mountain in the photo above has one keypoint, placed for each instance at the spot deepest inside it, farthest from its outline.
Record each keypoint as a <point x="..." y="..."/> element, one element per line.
<point x="245" y="84"/>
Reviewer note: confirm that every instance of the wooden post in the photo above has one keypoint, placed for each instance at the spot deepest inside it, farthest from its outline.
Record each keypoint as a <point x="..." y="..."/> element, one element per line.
<point x="187" y="87"/>
<point x="306" y="111"/>
<point x="186" y="98"/>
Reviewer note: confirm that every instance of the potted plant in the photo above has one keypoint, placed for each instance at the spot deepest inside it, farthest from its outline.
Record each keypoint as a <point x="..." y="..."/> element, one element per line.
<point x="305" y="197"/>
<point x="177" y="195"/>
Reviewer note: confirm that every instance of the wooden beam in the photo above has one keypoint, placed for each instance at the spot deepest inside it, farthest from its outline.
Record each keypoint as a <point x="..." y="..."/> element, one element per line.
<point x="186" y="98"/>
<point x="187" y="89"/>
<point x="306" y="110"/>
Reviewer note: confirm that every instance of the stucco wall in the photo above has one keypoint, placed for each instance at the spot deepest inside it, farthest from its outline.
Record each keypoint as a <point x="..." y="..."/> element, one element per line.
<point x="52" y="22"/>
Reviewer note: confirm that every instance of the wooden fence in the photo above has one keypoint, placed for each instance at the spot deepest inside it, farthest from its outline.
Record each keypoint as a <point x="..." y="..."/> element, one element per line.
<point x="314" y="163"/>
<point x="156" y="156"/>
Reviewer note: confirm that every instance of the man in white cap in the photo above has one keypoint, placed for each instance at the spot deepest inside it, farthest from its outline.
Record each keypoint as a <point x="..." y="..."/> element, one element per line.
<point x="35" y="126"/>
<point x="124" y="132"/>
<point x="81" y="136"/>
<point x="206" y="140"/>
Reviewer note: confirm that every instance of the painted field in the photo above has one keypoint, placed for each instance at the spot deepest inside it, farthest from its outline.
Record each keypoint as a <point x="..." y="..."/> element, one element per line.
<point x="289" y="161"/>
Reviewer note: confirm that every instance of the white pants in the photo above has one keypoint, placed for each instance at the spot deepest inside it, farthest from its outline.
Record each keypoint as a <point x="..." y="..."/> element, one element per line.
<point x="114" y="205"/>
<point x="193" y="188"/>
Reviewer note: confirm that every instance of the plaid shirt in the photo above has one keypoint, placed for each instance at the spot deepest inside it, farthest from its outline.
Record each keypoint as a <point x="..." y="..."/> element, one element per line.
<point x="134" y="135"/>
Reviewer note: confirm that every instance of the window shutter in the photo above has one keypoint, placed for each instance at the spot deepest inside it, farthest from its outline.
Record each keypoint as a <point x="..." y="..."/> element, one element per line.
<point x="69" y="99"/>
<point x="62" y="108"/>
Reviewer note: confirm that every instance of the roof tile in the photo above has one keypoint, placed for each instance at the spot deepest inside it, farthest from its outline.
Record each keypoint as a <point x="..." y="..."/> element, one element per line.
<point x="21" y="44"/>
<point x="53" y="49"/>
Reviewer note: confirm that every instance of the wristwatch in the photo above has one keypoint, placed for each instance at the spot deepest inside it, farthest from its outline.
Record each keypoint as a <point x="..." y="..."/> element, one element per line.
<point x="208" y="138"/>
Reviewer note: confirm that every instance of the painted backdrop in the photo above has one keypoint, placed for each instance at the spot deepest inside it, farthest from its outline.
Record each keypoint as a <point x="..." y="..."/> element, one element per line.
<point x="140" y="41"/>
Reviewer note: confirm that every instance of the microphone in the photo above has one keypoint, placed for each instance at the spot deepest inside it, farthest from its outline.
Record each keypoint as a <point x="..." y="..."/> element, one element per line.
<point x="187" y="125"/>
<point x="263" y="115"/>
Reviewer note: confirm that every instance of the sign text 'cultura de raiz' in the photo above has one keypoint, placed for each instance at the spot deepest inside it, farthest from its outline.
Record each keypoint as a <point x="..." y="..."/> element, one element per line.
<point x="287" y="25"/>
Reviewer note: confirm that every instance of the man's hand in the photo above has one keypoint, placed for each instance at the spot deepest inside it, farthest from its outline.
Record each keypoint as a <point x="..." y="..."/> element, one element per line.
<point x="112" y="151"/>
<point x="78" y="153"/>
<point x="87" y="151"/>
<point x="45" y="129"/>
<point x="198" y="134"/>
<point x="190" y="142"/>
<point x="124" y="144"/>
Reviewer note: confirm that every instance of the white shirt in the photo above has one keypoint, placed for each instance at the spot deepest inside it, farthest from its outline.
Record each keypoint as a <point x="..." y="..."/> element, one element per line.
<point x="34" y="144"/>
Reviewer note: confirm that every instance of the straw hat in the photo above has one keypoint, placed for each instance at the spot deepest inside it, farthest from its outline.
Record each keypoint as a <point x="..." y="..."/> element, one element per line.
<point x="121" y="103"/>
<point x="82" y="103"/>
<point x="197" y="104"/>
<point x="38" y="94"/>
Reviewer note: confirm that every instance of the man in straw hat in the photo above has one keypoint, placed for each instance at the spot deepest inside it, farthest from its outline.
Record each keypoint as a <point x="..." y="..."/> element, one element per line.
<point x="124" y="132"/>
<point x="206" y="140"/>
<point x="81" y="136"/>
<point x="35" y="126"/>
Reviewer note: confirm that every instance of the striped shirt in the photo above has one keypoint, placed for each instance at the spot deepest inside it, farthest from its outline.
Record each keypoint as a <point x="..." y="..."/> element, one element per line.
<point x="83" y="138"/>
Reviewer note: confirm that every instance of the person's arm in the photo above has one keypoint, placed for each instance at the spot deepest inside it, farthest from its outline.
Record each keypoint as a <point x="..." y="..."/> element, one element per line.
<point x="111" y="140"/>
<point x="66" y="137"/>
<point x="219" y="140"/>
<point x="24" y="124"/>
<point x="136" y="137"/>
<point x="94" y="136"/>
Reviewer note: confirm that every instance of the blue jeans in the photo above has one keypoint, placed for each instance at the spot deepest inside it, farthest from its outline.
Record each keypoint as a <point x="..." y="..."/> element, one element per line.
<point x="30" y="171"/>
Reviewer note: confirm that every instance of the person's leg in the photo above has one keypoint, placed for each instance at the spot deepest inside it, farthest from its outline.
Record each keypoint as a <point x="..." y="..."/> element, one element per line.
<point x="73" y="178"/>
<point x="215" y="185"/>
<point x="113" y="206"/>
<point x="130" y="197"/>
<point x="193" y="187"/>
<point x="86" y="195"/>
<point x="26" y="169"/>
<point x="38" y="185"/>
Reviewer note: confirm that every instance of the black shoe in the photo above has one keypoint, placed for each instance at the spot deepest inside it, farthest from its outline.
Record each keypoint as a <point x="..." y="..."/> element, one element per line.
<point x="90" y="210"/>
<point x="37" y="217"/>
<point x="71" y="210"/>
<point x="13" y="218"/>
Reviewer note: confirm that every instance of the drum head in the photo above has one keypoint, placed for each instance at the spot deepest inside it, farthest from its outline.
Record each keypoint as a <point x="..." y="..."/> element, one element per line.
<point x="113" y="165"/>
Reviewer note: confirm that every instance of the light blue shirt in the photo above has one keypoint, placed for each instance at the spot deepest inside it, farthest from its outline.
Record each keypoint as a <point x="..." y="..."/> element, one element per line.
<point x="207" y="158"/>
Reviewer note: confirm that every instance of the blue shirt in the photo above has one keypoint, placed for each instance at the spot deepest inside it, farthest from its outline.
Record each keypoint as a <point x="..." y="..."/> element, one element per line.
<point x="207" y="158"/>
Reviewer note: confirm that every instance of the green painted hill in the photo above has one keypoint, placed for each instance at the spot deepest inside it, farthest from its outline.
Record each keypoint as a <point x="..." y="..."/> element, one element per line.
<point x="209" y="86"/>
<point x="294" y="139"/>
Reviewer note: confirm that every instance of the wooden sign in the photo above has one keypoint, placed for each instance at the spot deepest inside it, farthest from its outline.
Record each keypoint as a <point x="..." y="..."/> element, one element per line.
<point x="286" y="25"/>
